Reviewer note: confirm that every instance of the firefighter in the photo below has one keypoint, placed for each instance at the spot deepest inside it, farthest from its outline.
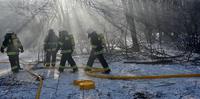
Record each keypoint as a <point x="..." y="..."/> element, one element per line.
<point x="66" y="44"/>
<point x="50" y="48"/>
<point x="13" y="46"/>
<point x="98" y="42"/>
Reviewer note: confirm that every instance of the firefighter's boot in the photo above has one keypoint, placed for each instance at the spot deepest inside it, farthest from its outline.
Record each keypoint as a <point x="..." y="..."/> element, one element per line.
<point x="75" y="69"/>
<point x="107" y="71"/>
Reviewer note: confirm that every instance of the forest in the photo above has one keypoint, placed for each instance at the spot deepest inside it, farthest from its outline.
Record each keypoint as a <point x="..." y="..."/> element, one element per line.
<point x="142" y="37"/>
<point x="127" y="24"/>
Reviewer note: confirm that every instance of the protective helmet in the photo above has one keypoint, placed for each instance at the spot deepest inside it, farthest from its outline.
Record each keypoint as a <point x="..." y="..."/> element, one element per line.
<point x="94" y="33"/>
<point x="51" y="32"/>
<point x="63" y="33"/>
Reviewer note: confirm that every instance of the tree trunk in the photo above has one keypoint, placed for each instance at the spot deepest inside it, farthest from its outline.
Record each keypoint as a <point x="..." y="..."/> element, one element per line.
<point x="128" y="7"/>
<point x="131" y="23"/>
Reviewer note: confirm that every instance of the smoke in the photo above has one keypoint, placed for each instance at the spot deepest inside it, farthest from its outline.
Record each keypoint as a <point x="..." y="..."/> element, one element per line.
<point x="32" y="19"/>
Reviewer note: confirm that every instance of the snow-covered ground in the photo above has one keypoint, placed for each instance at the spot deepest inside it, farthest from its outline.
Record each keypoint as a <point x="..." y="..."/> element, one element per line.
<point x="60" y="86"/>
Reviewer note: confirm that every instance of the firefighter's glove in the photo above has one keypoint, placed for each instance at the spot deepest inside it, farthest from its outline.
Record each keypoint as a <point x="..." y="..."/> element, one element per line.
<point x="2" y="50"/>
<point x="39" y="78"/>
<point x="45" y="49"/>
<point x="22" y="50"/>
<point x="57" y="49"/>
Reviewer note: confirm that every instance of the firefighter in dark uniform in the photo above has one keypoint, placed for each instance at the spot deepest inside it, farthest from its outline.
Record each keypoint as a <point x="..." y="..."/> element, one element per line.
<point x="50" y="48"/>
<point x="14" y="46"/>
<point x="98" y="42"/>
<point x="66" y="44"/>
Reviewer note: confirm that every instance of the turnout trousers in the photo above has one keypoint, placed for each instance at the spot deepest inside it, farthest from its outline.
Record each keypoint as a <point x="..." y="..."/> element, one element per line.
<point x="50" y="58"/>
<point x="93" y="56"/>
<point x="14" y="62"/>
<point x="67" y="57"/>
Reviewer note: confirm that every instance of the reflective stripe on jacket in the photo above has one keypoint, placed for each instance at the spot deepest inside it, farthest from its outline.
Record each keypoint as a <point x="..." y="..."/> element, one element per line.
<point x="12" y="43"/>
<point x="66" y="44"/>
<point x="51" y="49"/>
<point x="66" y="51"/>
<point x="12" y="53"/>
<point x="97" y="43"/>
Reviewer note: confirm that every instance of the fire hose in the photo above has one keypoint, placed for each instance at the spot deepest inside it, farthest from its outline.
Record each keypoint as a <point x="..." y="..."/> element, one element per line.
<point x="38" y="78"/>
<point x="95" y="73"/>
<point x="4" y="62"/>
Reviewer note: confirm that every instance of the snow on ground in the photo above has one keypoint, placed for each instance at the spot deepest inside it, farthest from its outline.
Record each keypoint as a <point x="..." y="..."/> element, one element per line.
<point x="60" y="86"/>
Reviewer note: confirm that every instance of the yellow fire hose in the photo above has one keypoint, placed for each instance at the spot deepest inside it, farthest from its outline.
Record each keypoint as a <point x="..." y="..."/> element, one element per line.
<point x="94" y="73"/>
<point x="4" y="62"/>
<point x="39" y="78"/>
<point x="39" y="88"/>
